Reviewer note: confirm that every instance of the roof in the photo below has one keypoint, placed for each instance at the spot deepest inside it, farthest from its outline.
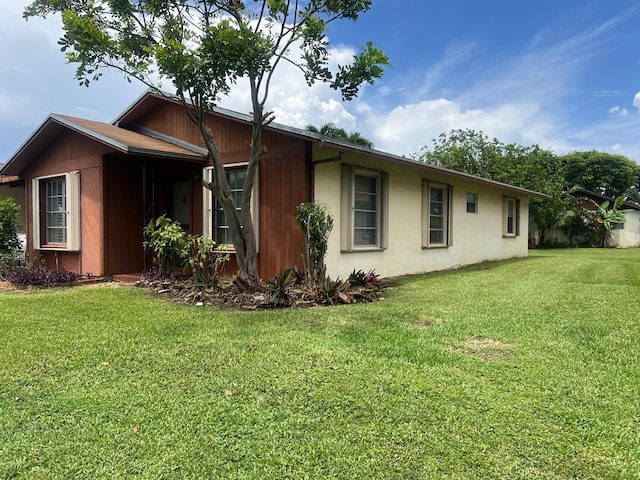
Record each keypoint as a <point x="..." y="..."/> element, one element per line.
<point x="599" y="198"/>
<point x="122" y="136"/>
<point x="120" y="139"/>
<point x="147" y="101"/>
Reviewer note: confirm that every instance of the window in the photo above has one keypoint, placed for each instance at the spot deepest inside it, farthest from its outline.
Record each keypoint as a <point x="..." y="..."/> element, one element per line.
<point x="364" y="195"/>
<point x="472" y="203"/>
<point x="436" y="222"/>
<point x="56" y="212"/>
<point x="215" y="221"/>
<point x="511" y="217"/>
<point x="617" y="226"/>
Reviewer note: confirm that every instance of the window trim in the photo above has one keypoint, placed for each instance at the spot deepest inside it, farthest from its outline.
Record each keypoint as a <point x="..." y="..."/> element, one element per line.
<point x="506" y="233"/>
<point x="72" y="212"/>
<point x="347" y="230"/>
<point x="426" y="214"/>
<point x="209" y="204"/>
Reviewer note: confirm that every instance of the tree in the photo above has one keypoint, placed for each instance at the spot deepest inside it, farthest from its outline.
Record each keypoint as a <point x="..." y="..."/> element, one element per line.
<point x="633" y="195"/>
<point x="600" y="172"/>
<point x="203" y="47"/>
<point x="333" y="131"/>
<point x="9" y="241"/>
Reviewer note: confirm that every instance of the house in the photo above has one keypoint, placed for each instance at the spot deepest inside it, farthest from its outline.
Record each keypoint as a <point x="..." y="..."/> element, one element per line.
<point x="91" y="187"/>
<point x="622" y="235"/>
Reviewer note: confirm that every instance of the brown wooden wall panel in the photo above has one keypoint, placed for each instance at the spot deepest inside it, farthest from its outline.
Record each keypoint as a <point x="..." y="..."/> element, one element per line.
<point x="284" y="184"/>
<point x="124" y="215"/>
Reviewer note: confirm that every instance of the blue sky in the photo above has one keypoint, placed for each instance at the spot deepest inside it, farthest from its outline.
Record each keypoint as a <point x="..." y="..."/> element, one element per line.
<point x="561" y="74"/>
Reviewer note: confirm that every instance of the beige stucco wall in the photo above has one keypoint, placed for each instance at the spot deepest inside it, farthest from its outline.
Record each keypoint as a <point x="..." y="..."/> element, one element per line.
<point x="476" y="237"/>
<point x="18" y="195"/>
<point x="629" y="236"/>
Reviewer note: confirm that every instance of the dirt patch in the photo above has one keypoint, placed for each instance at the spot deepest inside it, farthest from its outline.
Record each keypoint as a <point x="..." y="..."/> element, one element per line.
<point x="426" y="322"/>
<point x="485" y="348"/>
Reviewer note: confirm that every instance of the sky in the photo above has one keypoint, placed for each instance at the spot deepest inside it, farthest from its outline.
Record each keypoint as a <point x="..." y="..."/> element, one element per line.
<point x="562" y="74"/>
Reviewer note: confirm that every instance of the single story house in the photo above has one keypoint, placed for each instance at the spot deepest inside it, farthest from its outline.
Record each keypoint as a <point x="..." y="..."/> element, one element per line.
<point x="622" y="235"/>
<point x="91" y="187"/>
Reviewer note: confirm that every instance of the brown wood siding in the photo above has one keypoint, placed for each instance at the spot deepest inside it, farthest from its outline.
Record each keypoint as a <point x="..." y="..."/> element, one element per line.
<point x="73" y="152"/>
<point x="124" y="215"/>
<point x="283" y="186"/>
<point x="284" y="180"/>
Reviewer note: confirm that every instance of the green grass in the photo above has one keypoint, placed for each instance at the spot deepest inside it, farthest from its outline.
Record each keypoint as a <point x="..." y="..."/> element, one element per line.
<point x="517" y="369"/>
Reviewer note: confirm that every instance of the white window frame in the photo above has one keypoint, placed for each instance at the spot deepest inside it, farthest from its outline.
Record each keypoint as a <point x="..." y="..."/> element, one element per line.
<point x="72" y="213"/>
<point x="514" y="231"/>
<point x="209" y="203"/>
<point x="348" y="210"/>
<point x="447" y="216"/>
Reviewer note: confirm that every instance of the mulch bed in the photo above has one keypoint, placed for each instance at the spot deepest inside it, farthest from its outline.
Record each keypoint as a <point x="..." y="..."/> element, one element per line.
<point x="228" y="295"/>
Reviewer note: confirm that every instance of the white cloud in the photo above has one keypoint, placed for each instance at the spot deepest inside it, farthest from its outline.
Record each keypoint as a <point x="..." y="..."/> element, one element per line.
<point x="618" y="112"/>
<point x="636" y="101"/>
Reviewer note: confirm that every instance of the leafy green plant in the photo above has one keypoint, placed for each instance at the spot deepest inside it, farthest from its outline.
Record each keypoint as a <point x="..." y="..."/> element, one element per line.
<point x="278" y="287"/>
<point x="167" y="242"/>
<point x="316" y="223"/>
<point x="9" y="241"/>
<point x="606" y="217"/>
<point x="335" y="292"/>
<point x="204" y="259"/>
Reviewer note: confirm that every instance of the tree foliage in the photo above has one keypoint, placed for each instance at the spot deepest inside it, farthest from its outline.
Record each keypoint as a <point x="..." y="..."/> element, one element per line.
<point x="333" y="131"/>
<point x="203" y="47"/>
<point x="532" y="167"/>
<point x="600" y="172"/>
<point x="9" y="241"/>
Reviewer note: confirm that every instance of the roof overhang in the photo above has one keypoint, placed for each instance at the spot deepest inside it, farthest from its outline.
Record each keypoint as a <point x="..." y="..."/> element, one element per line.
<point x="118" y="139"/>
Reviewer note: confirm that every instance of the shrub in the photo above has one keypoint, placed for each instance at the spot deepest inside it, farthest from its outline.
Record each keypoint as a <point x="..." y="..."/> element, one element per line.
<point x="10" y="262"/>
<point x="204" y="259"/>
<point x="40" y="276"/>
<point x="316" y="223"/>
<point x="167" y="242"/>
<point x="9" y="241"/>
<point x="360" y="279"/>
<point x="278" y="287"/>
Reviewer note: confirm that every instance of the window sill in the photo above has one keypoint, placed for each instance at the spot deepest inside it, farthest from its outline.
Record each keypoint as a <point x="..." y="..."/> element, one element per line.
<point x="364" y="249"/>
<point x="433" y="247"/>
<point x="55" y="248"/>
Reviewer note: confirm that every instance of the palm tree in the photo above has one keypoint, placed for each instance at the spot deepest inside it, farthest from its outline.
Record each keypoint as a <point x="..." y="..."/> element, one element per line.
<point x="333" y="131"/>
<point x="633" y="195"/>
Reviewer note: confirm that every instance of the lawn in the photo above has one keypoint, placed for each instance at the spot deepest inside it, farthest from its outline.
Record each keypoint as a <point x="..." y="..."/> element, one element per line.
<point x="520" y="369"/>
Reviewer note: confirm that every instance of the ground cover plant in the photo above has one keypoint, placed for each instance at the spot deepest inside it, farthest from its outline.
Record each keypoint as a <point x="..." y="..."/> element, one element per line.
<point x="519" y="369"/>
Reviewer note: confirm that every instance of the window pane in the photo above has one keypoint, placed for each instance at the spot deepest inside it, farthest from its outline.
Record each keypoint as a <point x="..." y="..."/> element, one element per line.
<point x="437" y="195"/>
<point x="236" y="179"/>
<point x="366" y="211"/>
<point x="55" y="215"/>
<point x="363" y="237"/>
<point x="471" y="202"/>
<point x="365" y="201"/>
<point x="365" y="183"/>
<point x="436" y="236"/>
<point x="438" y="221"/>
<point x="365" y="219"/>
